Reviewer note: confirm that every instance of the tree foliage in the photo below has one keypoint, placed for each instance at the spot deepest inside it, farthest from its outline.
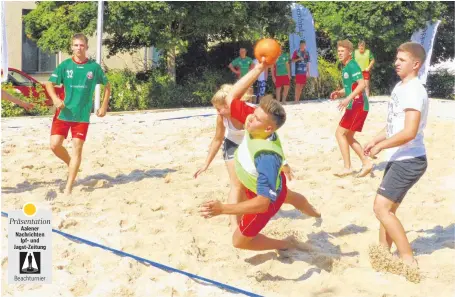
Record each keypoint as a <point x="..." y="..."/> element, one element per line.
<point x="384" y="26"/>
<point x="131" y="25"/>
<point x="192" y="34"/>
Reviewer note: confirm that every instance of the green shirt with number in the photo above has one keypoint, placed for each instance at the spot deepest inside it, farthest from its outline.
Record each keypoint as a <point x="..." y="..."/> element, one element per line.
<point x="243" y="64"/>
<point x="79" y="81"/>
<point x="351" y="73"/>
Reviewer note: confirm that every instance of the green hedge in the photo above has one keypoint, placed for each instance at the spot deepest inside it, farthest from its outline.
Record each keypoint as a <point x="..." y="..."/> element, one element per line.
<point x="441" y="84"/>
<point x="155" y="89"/>
<point x="127" y="92"/>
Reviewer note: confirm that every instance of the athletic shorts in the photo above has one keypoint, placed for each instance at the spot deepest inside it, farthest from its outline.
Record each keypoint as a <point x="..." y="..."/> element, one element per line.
<point x="300" y="79"/>
<point x="400" y="176"/>
<point x="78" y="130"/>
<point x="282" y="80"/>
<point x="366" y="75"/>
<point x="228" y="149"/>
<point x="251" y="224"/>
<point x="354" y="118"/>
<point x="260" y="88"/>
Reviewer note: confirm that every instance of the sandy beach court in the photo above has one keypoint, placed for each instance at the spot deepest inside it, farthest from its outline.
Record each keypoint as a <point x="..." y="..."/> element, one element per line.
<point x="135" y="193"/>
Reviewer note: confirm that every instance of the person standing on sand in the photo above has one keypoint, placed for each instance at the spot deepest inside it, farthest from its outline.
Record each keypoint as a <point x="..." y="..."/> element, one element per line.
<point x="403" y="139"/>
<point x="79" y="76"/>
<point x="357" y="107"/>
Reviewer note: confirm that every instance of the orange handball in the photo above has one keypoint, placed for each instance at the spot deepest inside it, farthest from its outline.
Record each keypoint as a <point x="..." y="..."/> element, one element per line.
<point x="268" y="48"/>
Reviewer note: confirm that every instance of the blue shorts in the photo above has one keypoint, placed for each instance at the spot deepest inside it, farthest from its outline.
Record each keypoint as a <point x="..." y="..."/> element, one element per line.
<point x="260" y="88"/>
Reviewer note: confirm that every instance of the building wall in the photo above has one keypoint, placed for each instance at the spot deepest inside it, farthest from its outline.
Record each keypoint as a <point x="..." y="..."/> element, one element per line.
<point x="13" y="12"/>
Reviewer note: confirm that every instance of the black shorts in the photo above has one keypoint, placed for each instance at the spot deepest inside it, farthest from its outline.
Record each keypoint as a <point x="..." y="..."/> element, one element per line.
<point x="400" y="176"/>
<point x="229" y="148"/>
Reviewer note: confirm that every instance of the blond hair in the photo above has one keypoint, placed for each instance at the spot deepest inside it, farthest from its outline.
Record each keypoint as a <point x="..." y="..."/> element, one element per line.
<point x="362" y="42"/>
<point x="346" y="44"/>
<point x="274" y="109"/>
<point x="80" y="36"/>
<point x="220" y="96"/>
<point x="415" y="49"/>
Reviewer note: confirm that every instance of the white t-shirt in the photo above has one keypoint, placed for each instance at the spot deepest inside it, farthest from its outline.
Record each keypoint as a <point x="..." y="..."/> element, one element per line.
<point x="233" y="134"/>
<point x="414" y="96"/>
<point x="262" y="75"/>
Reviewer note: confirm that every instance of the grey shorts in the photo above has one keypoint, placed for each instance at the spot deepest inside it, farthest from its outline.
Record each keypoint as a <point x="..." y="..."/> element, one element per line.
<point x="400" y="176"/>
<point x="229" y="148"/>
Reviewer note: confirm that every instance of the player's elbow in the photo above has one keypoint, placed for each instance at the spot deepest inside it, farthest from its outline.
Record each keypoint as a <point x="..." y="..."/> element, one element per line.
<point x="409" y="134"/>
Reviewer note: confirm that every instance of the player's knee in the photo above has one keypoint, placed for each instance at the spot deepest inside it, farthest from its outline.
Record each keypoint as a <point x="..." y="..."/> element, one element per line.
<point x="379" y="210"/>
<point x="341" y="132"/>
<point x="238" y="242"/>
<point x="55" y="146"/>
<point x="77" y="147"/>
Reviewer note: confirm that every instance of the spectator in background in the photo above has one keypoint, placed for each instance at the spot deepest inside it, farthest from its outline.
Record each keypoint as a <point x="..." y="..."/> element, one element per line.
<point x="301" y="58"/>
<point x="365" y="59"/>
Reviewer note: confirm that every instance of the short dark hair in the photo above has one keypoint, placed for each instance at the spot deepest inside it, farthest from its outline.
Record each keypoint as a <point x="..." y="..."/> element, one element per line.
<point x="273" y="108"/>
<point x="302" y="42"/>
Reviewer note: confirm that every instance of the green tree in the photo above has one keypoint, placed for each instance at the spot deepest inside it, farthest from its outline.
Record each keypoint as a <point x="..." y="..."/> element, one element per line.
<point x="384" y="26"/>
<point x="170" y="26"/>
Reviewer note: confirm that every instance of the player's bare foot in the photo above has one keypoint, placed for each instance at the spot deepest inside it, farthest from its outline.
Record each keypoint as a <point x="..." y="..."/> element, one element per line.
<point x="344" y="172"/>
<point x="411" y="271"/>
<point x="67" y="192"/>
<point x="366" y="169"/>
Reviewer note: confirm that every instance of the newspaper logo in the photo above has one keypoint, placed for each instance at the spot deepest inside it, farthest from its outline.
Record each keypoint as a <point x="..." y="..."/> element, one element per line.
<point x="30" y="245"/>
<point x="30" y="262"/>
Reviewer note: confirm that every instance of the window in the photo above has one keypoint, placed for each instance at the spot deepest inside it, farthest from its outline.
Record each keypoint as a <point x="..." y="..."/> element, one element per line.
<point x="18" y="79"/>
<point x="154" y="55"/>
<point x="33" y="58"/>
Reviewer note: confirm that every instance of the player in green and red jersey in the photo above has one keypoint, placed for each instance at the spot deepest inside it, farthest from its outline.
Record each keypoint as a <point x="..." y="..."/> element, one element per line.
<point x="281" y="76"/>
<point x="79" y="76"/>
<point x="242" y="64"/>
<point x="356" y="104"/>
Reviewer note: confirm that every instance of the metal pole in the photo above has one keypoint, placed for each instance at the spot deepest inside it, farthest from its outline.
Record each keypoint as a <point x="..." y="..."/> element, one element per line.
<point x="4" y="43"/>
<point x="99" y="42"/>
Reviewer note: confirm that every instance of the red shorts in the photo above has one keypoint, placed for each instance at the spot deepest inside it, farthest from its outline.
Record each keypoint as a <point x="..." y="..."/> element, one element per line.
<point x="366" y="75"/>
<point x="78" y="130"/>
<point x="282" y="80"/>
<point x="252" y="224"/>
<point x="354" y="118"/>
<point x="300" y="79"/>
